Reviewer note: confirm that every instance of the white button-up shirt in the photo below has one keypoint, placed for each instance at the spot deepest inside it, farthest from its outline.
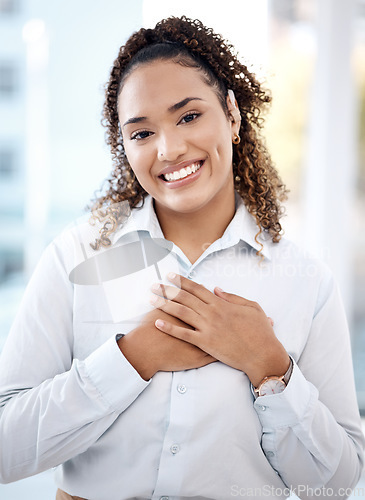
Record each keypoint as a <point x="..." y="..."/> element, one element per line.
<point x="70" y="400"/>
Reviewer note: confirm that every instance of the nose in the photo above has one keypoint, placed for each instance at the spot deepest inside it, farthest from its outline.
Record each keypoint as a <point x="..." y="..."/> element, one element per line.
<point x="171" y="146"/>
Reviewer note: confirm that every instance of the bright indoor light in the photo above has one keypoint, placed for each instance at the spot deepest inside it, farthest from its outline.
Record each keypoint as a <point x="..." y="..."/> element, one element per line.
<point x="33" y="30"/>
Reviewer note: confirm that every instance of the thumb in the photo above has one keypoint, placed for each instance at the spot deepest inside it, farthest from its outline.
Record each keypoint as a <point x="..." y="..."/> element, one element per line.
<point x="231" y="297"/>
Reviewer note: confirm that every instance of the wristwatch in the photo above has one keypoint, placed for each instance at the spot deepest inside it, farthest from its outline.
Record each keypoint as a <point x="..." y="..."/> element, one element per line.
<point x="273" y="385"/>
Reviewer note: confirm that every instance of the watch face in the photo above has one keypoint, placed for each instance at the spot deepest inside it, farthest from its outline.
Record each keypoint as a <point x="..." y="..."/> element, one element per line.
<point x="272" y="386"/>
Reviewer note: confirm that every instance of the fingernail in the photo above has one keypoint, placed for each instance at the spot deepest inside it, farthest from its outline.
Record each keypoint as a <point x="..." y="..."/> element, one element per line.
<point x="159" y="323"/>
<point x="153" y="299"/>
<point x="171" y="276"/>
<point x="219" y="289"/>
<point x="155" y="286"/>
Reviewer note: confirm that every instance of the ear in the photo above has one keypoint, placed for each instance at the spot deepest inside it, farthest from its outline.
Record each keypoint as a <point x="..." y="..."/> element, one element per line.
<point x="234" y="112"/>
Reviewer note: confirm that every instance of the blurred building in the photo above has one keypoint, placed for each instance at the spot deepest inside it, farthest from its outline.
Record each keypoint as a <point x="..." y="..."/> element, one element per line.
<point x="51" y="64"/>
<point x="12" y="137"/>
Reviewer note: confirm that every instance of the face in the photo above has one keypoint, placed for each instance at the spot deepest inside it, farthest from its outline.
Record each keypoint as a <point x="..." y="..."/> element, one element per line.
<point x="177" y="137"/>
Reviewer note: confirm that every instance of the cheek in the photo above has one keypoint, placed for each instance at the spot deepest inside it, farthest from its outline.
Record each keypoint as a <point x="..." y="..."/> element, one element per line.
<point x="127" y="151"/>
<point x="220" y="146"/>
<point x="217" y="137"/>
<point x="136" y="158"/>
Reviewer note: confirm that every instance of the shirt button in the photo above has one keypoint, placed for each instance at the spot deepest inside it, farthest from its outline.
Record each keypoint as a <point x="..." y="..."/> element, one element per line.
<point x="164" y="498"/>
<point x="262" y="408"/>
<point x="191" y="274"/>
<point x="270" y="454"/>
<point x="181" y="388"/>
<point x="175" y="448"/>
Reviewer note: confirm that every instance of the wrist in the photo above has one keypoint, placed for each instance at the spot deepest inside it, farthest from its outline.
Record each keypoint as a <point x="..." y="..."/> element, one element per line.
<point x="274" y="367"/>
<point x="136" y="356"/>
<point x="274" y="384"/>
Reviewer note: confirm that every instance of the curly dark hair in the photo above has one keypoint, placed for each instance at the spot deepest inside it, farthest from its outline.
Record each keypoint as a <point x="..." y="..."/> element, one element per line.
<point x="190" y="43"/>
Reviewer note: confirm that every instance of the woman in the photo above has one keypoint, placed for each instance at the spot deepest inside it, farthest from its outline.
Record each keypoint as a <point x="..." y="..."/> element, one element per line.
<point x="203" y="396"/>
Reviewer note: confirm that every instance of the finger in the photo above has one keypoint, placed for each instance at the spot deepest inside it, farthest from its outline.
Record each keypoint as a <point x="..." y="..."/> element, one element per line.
<point x="178" y="332"/>
<point x="208" y="360"/>
<point x="157" y="301"/>
<point x="161" y="289"/>
<point x="271" y="321"/>
<point x="177" y="295"/>
<point x="234" y="299"/>
<point x="179" y="311"/>
<point x="192" y="287"/>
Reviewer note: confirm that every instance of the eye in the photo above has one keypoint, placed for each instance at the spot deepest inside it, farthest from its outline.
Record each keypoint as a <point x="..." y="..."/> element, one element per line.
<point x="190" y="117"/>
<point x="142" y="134"/>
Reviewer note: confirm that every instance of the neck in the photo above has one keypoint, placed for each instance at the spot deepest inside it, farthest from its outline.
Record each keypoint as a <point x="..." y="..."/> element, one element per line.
<point x="194" y="232"/>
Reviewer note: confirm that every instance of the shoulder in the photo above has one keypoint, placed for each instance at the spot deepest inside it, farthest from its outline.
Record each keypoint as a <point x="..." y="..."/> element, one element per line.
<point x="297" y="266"/>
<point x="88" y="247"/>
<point x="288" y="253"/>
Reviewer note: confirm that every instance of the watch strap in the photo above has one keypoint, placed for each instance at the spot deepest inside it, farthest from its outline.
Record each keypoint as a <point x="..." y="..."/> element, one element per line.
<point x="284" y="378"/>
<point x="289" y="371"/>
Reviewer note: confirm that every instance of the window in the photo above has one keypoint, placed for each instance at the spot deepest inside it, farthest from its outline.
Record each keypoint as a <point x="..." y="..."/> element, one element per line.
<point x="8" y="7"/>
<point x="7" y="163"/>
<point x="8" y="79"/>
<point x="11" y="262"/>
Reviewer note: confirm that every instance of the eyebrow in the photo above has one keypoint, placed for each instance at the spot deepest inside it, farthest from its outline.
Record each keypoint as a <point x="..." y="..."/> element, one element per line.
<point x="171" y="109"/>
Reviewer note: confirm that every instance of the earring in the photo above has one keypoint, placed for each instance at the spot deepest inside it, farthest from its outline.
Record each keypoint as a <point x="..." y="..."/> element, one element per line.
<point x="236" y="139"/>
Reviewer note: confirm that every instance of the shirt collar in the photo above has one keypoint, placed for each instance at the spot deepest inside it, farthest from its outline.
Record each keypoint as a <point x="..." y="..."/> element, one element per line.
<point x="242" y="227"/>
<point x="142" y="218"/>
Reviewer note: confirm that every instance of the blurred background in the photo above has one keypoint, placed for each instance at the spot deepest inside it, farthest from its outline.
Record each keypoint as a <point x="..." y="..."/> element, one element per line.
<point x="55" y="58"/>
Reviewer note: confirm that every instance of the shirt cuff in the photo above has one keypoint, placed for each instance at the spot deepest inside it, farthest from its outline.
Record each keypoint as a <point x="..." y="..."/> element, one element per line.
<point x="287" y="408"/>
<point x="114" y="377"/>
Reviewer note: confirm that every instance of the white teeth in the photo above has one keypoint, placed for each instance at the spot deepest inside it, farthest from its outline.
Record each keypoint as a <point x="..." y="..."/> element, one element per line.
<point x="184" y="172"/>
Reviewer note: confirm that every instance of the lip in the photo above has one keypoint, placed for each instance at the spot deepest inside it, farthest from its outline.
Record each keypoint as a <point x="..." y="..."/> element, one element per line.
<point x="179" y="166"/>
<point x="186" y="180"/>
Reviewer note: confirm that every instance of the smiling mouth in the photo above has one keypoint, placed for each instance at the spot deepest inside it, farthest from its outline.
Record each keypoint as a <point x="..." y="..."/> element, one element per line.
<point x="183" y="172"/>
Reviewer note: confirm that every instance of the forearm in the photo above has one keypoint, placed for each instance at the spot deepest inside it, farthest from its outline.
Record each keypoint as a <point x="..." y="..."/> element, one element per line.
<point x="274" y="361"/>
<point x="149" y="351"/>
<point x="62" y="417"/>
<point x="328" y="460"/>
<point x="305" y="444"/>
<point x="137" y="355"/>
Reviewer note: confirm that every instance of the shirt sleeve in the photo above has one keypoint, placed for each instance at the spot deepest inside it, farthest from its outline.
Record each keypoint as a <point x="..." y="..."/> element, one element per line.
<point x="312" y="431"/>
<point x="53" y="407"/>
